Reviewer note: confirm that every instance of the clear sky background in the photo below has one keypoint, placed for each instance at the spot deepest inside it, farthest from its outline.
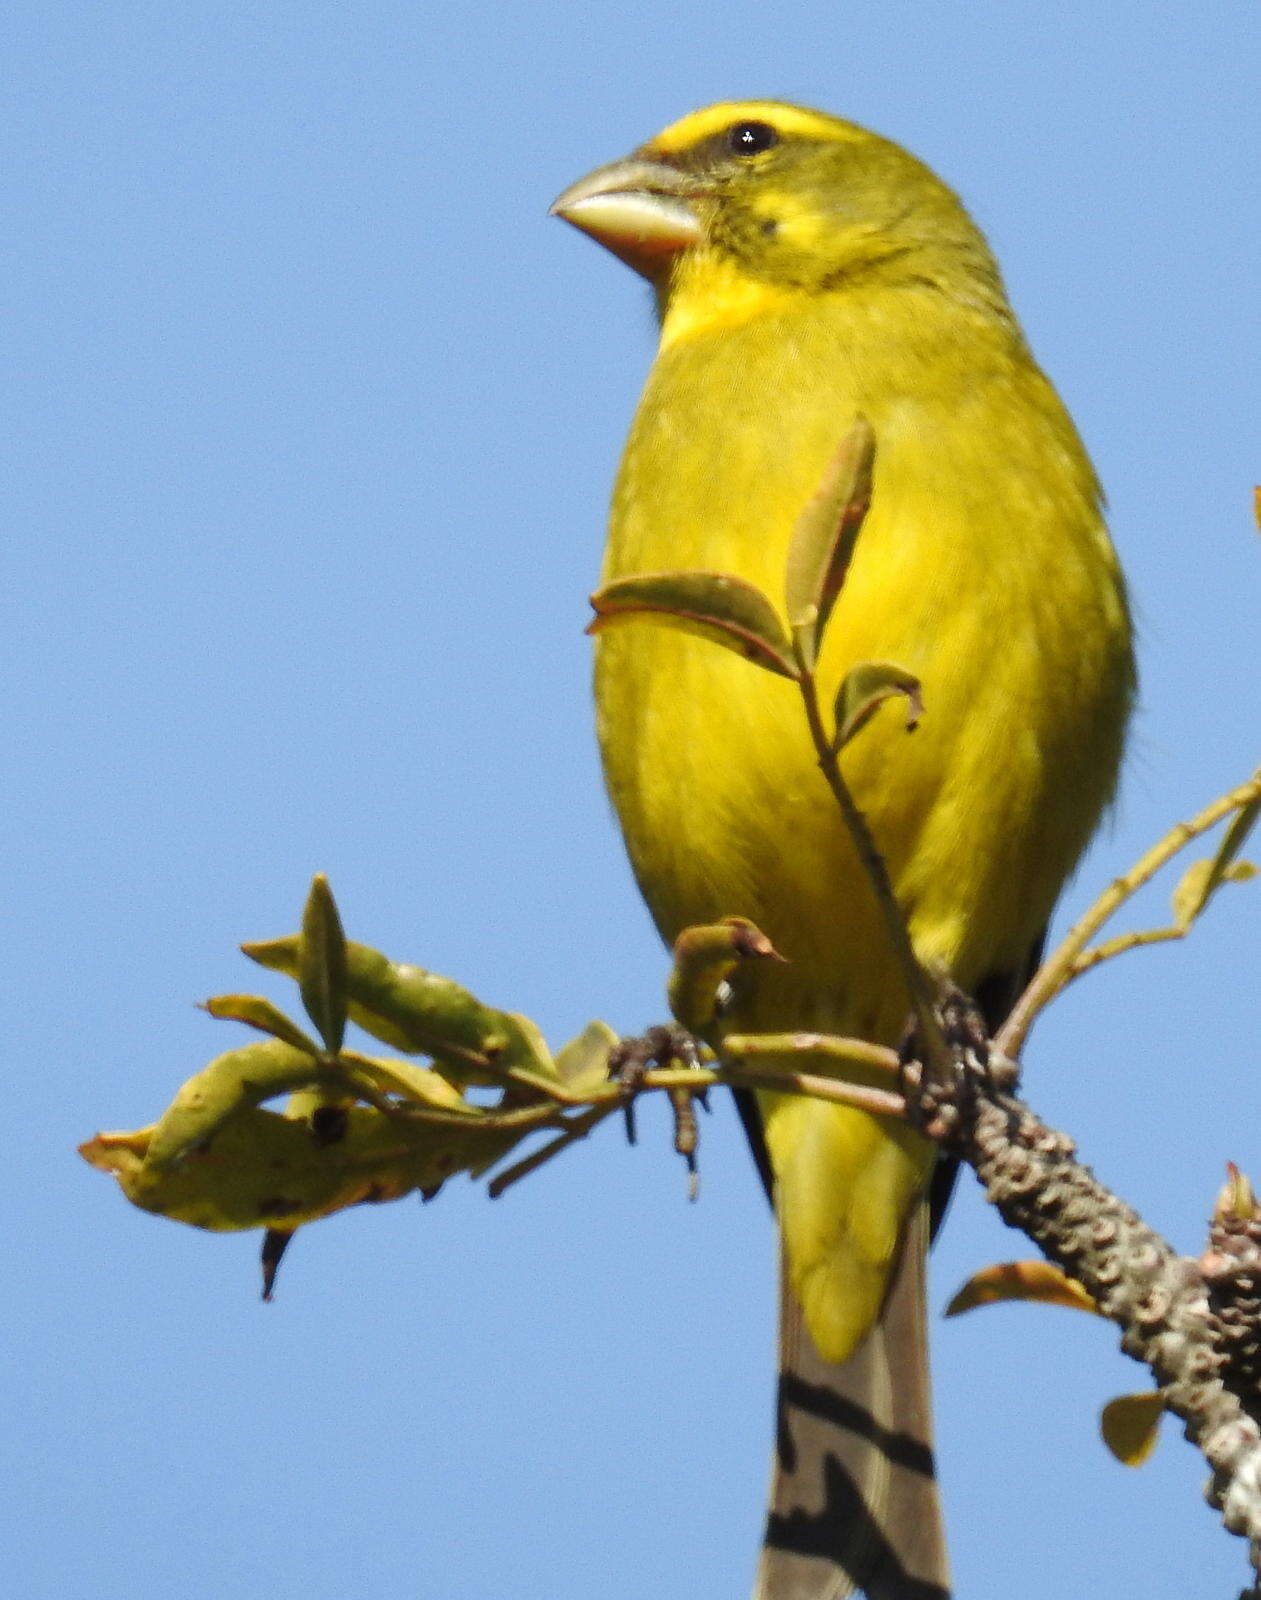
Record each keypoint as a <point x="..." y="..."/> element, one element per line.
<point x="311" y="418"/>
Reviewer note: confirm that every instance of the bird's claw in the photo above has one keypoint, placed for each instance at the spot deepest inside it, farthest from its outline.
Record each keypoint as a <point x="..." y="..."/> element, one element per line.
<point x="936" y="1107"/>
<point x="630" y="1060"/>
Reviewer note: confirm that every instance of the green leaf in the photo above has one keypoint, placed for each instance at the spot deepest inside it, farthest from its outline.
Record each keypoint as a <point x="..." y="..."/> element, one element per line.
<point x="1202" y="879"/>
<point x="865" y="687"/>
<point x="1199" y="882"/>
<point x="322" y="965"/>
<point x="422" y="1013"/>
<point x="420" y="1084"/>
<point x="824" y="537"/>
<point x="262" y="1170"/>
<point x="713" y="605"/>
<point x="231" y="1083"/>
<point x="584" y="1061"/>
<point x="1130" y="1425"/>
<point x="256" y="1012"/>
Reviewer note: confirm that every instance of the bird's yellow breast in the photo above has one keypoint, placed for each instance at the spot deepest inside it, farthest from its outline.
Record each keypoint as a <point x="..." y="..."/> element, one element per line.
<point x="983" y="568"/>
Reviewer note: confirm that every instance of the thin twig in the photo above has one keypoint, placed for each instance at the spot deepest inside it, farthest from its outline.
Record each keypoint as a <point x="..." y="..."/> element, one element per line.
<point x="553" y="1088"/>
<point x="603" y="1100"/>
<point x="542" y="1114"/>
<point x="1139" y="940"/>
<point x="1058" y="971"/>
<point x="844" y="1052"/>
<point x="576" y="1128"/>
<point x="879" y="1102"/>
<point x="919" y="986"/>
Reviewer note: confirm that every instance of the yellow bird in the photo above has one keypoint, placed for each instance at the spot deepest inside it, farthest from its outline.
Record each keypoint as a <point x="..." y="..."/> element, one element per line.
<point x="807" y="272"/>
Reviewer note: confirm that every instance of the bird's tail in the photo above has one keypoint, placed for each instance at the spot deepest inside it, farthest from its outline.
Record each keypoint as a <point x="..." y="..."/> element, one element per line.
<point x="854" y="1506"/>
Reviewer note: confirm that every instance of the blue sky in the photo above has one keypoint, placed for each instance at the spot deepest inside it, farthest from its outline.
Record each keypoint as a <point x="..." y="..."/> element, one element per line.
<point x="312" y="420"/>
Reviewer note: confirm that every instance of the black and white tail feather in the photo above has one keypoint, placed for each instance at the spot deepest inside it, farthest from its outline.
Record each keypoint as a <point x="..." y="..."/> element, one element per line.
<point x="854" y="1506"/>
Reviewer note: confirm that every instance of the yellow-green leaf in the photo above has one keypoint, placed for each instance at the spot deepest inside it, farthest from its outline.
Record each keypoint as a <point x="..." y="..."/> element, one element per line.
<point x="322" y="964"/>
<point x="726" y="610"/>
<point x="1036" y="1281"/>
<point x="584" y="1062"/>
<point x="1130" y="1425"/>
<point x="1199" y="883"/>
<point x="420" y="1084"/>
<point x="256" y="1012"/>
<point x="1237" y="1199"/>
<point x="824" y="537"/>
<point x="422" y="1013"/>
<point x="238" y="1080"/>
<point x="263" y="1170"/>
<point x="865" y="687"/>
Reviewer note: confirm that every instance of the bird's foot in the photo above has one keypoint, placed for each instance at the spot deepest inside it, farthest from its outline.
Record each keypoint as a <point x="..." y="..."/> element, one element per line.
<point x="937" y="1107"/>
<point x="631" y="1059"/>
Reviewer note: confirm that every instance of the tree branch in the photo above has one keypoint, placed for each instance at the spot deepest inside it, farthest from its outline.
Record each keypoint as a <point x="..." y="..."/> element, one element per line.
<point x="1158" y="1298"/>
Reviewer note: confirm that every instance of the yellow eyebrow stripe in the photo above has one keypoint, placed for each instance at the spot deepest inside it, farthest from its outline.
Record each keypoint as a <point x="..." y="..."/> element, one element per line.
<point x="700" y="125"/>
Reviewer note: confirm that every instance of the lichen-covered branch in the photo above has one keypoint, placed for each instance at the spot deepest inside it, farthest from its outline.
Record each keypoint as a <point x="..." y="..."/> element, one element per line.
<point x="1171" y="1309"/>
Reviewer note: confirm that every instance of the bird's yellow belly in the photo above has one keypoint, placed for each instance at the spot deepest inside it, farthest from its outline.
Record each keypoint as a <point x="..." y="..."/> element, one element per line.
<point x="979" y="813"/>
<point x="726" y="813"/>
<point x="999" y="591"/>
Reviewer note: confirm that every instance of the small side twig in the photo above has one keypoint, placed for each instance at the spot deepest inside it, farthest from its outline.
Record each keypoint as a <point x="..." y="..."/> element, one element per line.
<point x="1060" y="968"/>
<point x="1139" y="939"/>
<point x="575" y="1128"/>
<point x="822" y="1050"/>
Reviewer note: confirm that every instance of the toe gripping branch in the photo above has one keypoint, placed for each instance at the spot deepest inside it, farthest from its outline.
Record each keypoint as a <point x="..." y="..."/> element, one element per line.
<point x="662" y="1047"/>
<point x="939" y="1104"/>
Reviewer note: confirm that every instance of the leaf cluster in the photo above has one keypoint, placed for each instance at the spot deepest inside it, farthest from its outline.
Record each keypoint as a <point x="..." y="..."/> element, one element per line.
<point x="355" y="1127"/>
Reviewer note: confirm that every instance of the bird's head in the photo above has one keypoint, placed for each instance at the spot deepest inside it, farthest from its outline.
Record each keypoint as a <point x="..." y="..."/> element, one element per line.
<point x="785" y="197"/>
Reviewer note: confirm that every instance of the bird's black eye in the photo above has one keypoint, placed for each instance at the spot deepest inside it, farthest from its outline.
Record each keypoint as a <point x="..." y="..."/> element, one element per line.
<point x="750" y="138"/>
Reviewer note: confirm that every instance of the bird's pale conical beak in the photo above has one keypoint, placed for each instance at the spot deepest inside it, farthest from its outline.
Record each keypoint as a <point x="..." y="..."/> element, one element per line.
<point x="637" y="208"/>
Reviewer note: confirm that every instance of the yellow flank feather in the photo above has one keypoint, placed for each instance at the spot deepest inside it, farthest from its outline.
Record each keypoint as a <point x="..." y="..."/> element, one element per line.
<point x="827" y="273"/>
